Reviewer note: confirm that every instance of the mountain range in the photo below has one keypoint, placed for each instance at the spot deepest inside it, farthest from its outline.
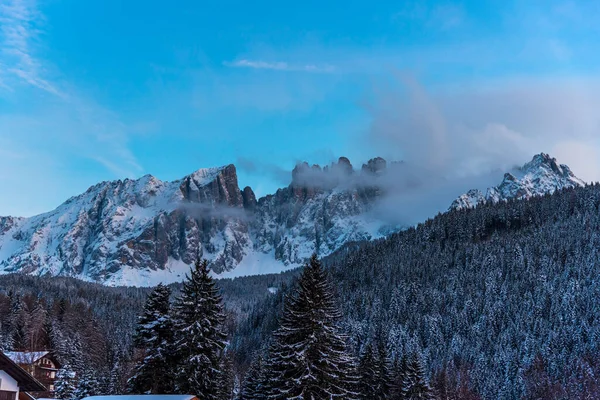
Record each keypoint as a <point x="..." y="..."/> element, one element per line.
<point x="141" y="232"/>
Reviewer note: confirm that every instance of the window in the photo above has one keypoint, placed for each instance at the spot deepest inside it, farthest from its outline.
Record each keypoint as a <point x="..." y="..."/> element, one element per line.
<point x="6" y="395"/>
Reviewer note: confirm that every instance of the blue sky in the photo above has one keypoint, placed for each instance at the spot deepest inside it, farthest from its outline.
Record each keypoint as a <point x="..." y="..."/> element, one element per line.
<point x="102" y="90"/>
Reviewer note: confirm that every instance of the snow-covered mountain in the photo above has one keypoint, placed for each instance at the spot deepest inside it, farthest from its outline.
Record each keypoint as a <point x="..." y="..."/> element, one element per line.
<point x="144" y="231"/>
<point x="140" y="232"/>
<point x="539" y="176"/>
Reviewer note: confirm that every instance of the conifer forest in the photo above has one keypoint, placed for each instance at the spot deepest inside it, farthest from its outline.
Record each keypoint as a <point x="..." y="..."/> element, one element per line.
<point x="495" y="302"/>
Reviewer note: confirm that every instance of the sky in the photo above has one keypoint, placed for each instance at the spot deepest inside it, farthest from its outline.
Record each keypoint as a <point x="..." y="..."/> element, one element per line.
<point x="111" y="89"/>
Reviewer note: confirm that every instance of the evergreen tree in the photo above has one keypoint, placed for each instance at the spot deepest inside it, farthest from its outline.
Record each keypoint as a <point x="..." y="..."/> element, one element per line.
<point x="367" y="374"/>
<point x="18" y="338"/>
<point x="155" y="373"/>
<point x="65" y="383"/>
<point x="87" y="385"/>
<point x="309" y="359"/>
<point x="200" y="337"/>
<point x="4" y="343"/>
<point x="382" y="370"/>
<point x="414" y="385"/>
<point x="227" y="381"/>
<point x="115" y="378"/>
<point x="397" y="378"/>
<point x="254" y="383"/>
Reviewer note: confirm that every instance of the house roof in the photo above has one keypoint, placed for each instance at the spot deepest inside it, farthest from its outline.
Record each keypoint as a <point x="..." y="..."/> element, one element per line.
<point x="26" y="357"/>
<point x="24" y="379"/>
<point x="144" y="397"/>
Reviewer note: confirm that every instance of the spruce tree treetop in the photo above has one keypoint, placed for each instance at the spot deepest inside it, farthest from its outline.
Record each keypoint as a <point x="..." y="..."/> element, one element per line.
<point x="367" y="374"/>
<point x="155" y="373"/>
<point x="156" y="309"/>
<point x="199" y="319"/>
<point x="255" y="387"/>
<point x="415" y="385"/>
<point x="309" y="359"/>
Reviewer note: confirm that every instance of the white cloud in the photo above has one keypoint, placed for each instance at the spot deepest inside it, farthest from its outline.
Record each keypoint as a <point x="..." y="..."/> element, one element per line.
<point x="475" y="130"/>
<point x="581" y="156"/>
<point x="19" y="20"/>
<point x="279" y="66"/>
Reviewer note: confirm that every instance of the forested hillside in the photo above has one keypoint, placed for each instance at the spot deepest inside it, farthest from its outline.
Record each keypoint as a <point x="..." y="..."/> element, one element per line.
<point x="504" y="296"/>
<point x="501" y="299"/>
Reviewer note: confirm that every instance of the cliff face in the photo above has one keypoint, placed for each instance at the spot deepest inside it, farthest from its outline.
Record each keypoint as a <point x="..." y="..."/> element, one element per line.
<point x="127" y="232"/>
<point x="141" y="232"/>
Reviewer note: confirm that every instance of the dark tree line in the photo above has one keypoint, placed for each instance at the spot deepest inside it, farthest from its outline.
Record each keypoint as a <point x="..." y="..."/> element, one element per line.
<point x="182" y="346"/>
<point x="498" y="302"/>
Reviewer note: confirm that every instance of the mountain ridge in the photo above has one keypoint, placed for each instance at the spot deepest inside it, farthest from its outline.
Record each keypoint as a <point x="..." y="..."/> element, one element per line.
<point x="143" y="231"/>
<point x="117" y="230"/>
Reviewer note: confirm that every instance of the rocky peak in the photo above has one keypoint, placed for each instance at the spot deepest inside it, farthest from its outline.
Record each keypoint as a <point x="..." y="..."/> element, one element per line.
<point x="375" y="166"/>
<point x="219" y="185"/>
<point x="539" y="176"/>
<point x="508" y="177"/>
<point x="249" y="198"/>
<point x="545" y="162"/>
<point x="300" y="172"/>
<point x="343" y="165"/>
<point x="6" y="223"/>
<point x="470" y="199"/>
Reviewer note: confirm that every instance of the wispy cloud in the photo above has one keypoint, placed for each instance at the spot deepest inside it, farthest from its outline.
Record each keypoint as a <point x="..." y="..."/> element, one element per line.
<point x="280" y="66"/>
<point x="19" y="20"/>
<point x="85" y="127"/>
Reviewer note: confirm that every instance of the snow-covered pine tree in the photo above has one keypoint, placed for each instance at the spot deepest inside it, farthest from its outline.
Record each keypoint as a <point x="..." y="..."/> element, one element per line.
<point x="415" y="386"/>
<point x="200" y="337"/>
<point x="65" y="383"/>
<point x="3" y="341"/>
<point x="308" y="358"/>
<point x="18" y="338"/>
<point x="382" y="369"/>
<point x="367" y="374"/>
<point x="254" y="383"/>
<point x="227" y="381"/>
<point x="155" y="373"/>
<point x="87" y="385"/>
<point x="398" y="371"/>
<point x="115" y="383"/>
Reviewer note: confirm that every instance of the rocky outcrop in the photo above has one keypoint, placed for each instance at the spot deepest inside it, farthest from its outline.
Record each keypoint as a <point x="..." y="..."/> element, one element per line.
<point x="143" y="231"/>
<point x="542" y="175"/>
<point x="140" y="224"/>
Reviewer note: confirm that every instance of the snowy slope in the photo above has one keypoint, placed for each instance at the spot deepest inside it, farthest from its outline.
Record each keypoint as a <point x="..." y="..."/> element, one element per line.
<point x="115" y="224"/>
<point x="145" y="231"/>
<point x="540" y="176"/>
<point x="142" y="232"/>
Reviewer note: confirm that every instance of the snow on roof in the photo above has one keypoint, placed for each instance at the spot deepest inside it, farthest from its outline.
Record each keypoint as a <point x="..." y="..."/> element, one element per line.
<point x="143" y="397"/>
<point x="25" y="357"/>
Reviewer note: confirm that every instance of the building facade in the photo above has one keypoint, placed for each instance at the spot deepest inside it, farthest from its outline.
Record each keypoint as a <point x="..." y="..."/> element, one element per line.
<point x="42" y="365"/>
<point x="15" y="381"/>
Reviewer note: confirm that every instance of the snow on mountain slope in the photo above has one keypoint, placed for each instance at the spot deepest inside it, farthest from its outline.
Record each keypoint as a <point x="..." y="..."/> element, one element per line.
<point x="142" y="232"/>
<point x="122" y="223"/>
<point x="540" y="176"/>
